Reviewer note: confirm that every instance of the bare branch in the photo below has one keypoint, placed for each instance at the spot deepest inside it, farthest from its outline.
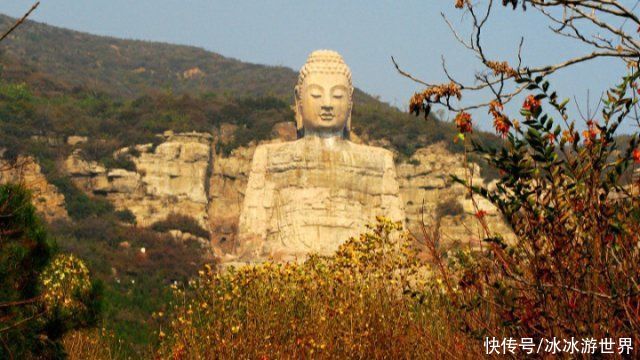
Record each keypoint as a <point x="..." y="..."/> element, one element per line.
<point x="406" y="74"/>
<point x="20" y="21"/>
<point x="455" y="33"/>
<point x="444" y="67"/>
<point x="586" y="21"/>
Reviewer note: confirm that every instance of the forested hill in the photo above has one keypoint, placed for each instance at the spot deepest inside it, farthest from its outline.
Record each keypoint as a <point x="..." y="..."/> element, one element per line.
<point x="131" y="67"/>
<point x="56" y="82"/>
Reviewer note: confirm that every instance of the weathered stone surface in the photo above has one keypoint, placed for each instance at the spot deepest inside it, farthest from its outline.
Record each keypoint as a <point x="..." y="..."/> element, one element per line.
<point x="425" y="183"/>
<point x="285" y="131"/>
<point x="74" y="140"/>
<point x="76" y="166"/>
<point x="227" y="187"/>
<point x="424" y="178"/>
<point x="46" y="198"/>
<point x="169" y="179"/>
<point x="177" y="168"/>
<point x="312" y="194"/>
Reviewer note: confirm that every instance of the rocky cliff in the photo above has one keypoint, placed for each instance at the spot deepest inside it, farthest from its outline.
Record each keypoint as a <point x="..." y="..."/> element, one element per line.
<point x="431" y="197"/>
<point x="47" y="199"/>
<point x="170" y="178"/>
<point x="188" y="174"/>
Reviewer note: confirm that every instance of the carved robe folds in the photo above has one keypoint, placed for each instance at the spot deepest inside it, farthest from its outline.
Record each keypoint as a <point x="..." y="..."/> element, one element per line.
<point x="312" y="194"/>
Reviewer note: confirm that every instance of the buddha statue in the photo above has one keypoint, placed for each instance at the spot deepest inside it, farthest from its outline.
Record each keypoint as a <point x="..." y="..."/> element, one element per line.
<point x="312" y="194"/>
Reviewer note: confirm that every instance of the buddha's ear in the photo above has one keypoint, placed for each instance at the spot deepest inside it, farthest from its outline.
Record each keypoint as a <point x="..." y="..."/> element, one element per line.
<point x="346" y="132"/>
<point x="298" y="110"/>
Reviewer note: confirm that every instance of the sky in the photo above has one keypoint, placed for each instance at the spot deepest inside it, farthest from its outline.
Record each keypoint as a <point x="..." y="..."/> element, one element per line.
<point x="366" y="33"/>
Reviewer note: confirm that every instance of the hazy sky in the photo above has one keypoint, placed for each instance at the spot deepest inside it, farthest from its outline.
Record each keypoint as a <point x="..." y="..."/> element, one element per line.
<point x="366" y="33"/>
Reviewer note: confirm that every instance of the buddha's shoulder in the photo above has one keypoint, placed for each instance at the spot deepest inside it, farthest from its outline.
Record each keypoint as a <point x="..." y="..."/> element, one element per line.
<point x="308" y="148"/>
<point x="271" y="148"/>
<point x="372" y="150"/>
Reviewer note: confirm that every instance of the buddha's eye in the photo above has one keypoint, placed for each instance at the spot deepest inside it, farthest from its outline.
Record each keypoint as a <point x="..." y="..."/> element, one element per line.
<point x="338" y="95"/>
<point x="315" y="93"/>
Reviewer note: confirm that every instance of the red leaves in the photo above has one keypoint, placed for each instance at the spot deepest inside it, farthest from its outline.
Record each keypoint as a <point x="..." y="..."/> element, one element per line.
<point x="573" y="301"/>
<point x="636" y="155"/>
<point x="500" y="121"/>
<point x="591" y="134"/>
<point x="502" y="126"/>
<point x="463" y="122"/>
<point x="434" y="94"/>
<point x="531" y="104"/>
<point x="480" y="214"/>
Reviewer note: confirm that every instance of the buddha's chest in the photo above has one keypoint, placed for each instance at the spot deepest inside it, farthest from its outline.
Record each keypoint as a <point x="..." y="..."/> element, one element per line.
<point x="333" y="170"/>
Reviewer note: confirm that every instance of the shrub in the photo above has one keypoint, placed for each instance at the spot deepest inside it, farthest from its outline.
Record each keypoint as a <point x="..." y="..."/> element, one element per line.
<point x="41" y="299"/>
<point x="181" y="222"/>
<point x="573" y="269"/>
<point x="125" y="216"/>
<point x="78" y="204"/>
<point x="97" y="228"/>
<point x="358" y="303"/>
<point x="90" y="344"/>
<point x="449" y="207"/>
<point x="120" y="162"/>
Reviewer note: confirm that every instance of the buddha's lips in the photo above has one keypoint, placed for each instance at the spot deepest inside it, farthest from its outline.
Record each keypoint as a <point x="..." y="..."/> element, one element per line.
<point x="326" y="117"/>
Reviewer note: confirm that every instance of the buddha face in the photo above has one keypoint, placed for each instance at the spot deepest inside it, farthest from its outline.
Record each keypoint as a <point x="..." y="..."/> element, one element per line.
<point x="324" y="103"/>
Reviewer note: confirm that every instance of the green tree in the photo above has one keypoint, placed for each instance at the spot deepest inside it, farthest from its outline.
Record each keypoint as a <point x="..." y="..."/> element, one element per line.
<point x="42" y="295"/>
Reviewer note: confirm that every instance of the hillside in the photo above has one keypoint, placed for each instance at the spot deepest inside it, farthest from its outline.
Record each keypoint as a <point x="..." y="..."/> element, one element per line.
<point x="131" y="68"/>
<point x="80" y="84"/>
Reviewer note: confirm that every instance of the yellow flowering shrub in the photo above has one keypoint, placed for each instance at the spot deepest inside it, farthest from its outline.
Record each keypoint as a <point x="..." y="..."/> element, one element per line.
<point x="361" y="302"/>
<point x="65" y="283"/>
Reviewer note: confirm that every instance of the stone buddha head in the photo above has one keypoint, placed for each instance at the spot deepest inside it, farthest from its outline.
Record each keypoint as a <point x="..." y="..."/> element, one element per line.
<point x="323" y="96"/>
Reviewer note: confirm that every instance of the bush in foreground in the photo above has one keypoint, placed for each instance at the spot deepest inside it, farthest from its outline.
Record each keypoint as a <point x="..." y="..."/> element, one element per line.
<point x="573" y="269"/>
<point x="359" y="303"/>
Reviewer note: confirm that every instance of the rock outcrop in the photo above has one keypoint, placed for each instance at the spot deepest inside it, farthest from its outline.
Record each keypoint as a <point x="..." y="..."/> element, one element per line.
<point x="169" y="178"/>
<point x="427" y="189"/>
<point x="46" y="198"/>
<point x="180" y="175"/>
<point x="228" y="183"/>
<point x="424" y="180"/>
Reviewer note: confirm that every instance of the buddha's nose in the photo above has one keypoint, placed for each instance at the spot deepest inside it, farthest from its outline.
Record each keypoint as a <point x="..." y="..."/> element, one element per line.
<point x="327" y="108"/>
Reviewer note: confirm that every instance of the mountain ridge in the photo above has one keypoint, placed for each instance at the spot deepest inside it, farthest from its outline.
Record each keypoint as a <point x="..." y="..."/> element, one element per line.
<point x="131" y="67"/>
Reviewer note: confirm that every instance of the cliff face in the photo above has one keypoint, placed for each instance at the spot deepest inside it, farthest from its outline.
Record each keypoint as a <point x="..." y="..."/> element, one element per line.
<point x="424" y="181"/>
<point x="46" y="198"/>
<point x="170" y="178"/>
<point x="227" y="187"/>
<point x="185" y="175"/>
<point x="430" y="196"/>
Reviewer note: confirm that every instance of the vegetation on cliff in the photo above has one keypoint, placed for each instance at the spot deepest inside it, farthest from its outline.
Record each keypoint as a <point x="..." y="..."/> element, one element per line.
<point x="57" y="82"/>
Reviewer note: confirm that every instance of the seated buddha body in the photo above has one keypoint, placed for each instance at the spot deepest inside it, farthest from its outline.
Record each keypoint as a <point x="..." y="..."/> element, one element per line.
<point x="312" y="194"/>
